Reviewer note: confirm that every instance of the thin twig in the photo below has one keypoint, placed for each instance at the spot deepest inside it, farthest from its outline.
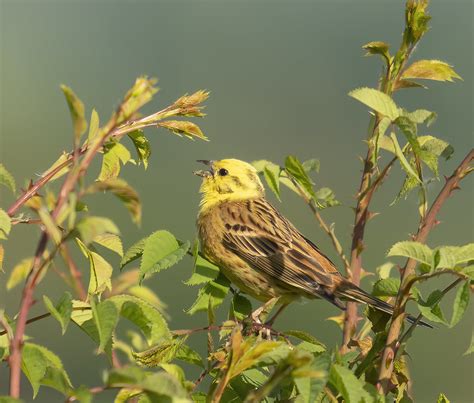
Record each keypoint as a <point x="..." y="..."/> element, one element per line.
<point x="426" y="225"/>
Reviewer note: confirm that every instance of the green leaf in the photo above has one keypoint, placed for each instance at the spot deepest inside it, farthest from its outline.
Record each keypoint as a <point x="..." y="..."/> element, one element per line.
<point x="272" y="175"/>
<point x="2" y="256"/>
<point x="62" y="310"/>
<point x="461" y="303"/>
<point x="6" y="179"/>
<point x="144" y="315"/>
<point x="187" y="354"/>
<point x="111" y="242"/>
<point x="93" y="126"/>
<point x="213" y="293"/>
<point x="403" y="161"/>
<point x="326" y="198"/>
<point x="431" y="309"/>
<point x="442" y="398"/>
<point x="43" y="367"/>
<point x="407" y="84"/>
<point x="351" y="388"/>
<point x="5" y="224"/>
<point x="240" y="308"/>
<point x="387" y="287"/>
<point x="203" y="270"/>
<point x="19" y="273"/>
<point x="161" y="251"/>
<point x="50" y="225"/>
<point x="76" y="107"/>
<point x="376" y="100"/>
<point x="430" y="70"/>
<point x="470" y="349"/>
<point x="124" y="192"/>
<point x="9" y="399"/>
<point x="115" y="155"/>
<point x="413" y="250"/>
<point x="306" y="337"/>
<point x="133" y="253"/>
<point x="100" y="271"/>
<point x="451" y="256"/>
<point x="142" y="145"/>
<point x="91" y="227"/>
<point x="180" y="127"/>
<point x="377" y="48"/>
<point x="311" y="385"/>
<point x="105" y="317"/>
<point x="311" y="165"/>
<point x="159" y="354"/>
<point x="60" y="161"/>
<point x="422" y="116"/>
<point x="294" y="167"/>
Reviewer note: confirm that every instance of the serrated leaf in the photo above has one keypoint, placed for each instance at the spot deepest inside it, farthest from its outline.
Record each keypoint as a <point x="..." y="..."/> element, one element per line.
<point x="350" y="387"/>
<point x="326" y="198"/>
<point x="413" y="250"/>
<point x="387" y="287"/>
<point x="272" y="175"/>
<point x="203" y="271"/>
<point x="115" y="155"/>
<point x="161" y="251"/>
<point x="5" y="224"/>
<point x="461" y="303"/>
<point x="124" y="192"/>
<point x="19" y="273"/>
<point x="133" y="253"/>
<point x="451" y="256"/>
<point x="142" y="145"/>
<point x="376" y="100"/>
<point x="6" y="179"/>
<point x="311" y="165"/>
<point x="105" y="316"/>
<point x="111" y="242"/>
<point x="76" y="108"/>
<point x="294" y="167"/>
<point x="61" y="311"/>
<point x="213" y="293"/>
<point x="430" y="70"/>
<point x="37" y="361"/>
<point x="144" y="315"/>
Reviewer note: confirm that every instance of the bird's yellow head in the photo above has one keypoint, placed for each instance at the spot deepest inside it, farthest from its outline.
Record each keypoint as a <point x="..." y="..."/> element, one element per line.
<point x="228" y="180"/>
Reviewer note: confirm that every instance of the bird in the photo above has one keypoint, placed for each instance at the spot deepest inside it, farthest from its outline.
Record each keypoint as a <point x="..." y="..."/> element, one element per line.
<point x="260" y="251"/>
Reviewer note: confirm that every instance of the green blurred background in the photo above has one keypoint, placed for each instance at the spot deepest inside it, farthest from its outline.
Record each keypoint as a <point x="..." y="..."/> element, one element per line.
<point x="279" y="73"/>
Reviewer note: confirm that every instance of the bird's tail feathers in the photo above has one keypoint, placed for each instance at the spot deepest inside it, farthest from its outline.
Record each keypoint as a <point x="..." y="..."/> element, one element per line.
<point x="351" y="292"/>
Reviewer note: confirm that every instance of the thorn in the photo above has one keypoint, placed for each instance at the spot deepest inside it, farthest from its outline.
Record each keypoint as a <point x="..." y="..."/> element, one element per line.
<point x="371" y="215"/>
<point x="436" y="222"/>
<point x="445" y="178"/>
<point x="456" y="187"/>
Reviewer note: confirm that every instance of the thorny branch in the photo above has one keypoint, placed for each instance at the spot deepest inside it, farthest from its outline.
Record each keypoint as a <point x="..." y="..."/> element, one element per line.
<point x="426" y="225"/>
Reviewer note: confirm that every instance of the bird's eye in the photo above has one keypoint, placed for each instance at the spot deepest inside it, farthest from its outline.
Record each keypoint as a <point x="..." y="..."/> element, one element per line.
<point x="223" y="172"/>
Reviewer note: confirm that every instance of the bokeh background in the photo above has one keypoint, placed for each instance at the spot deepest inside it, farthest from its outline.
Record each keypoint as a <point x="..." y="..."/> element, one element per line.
<point x="279" y="73"/>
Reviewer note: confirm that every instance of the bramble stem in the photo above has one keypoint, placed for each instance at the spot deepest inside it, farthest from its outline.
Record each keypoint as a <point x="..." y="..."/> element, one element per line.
<point x="426" y="225"/>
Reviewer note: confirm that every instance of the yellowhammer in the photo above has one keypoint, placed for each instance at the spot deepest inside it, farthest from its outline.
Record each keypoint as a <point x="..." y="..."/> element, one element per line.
<point x="259" y="250"/>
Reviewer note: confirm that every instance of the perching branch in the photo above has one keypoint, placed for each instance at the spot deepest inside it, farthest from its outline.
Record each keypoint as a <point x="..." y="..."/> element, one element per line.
<point x="426" y="225"/>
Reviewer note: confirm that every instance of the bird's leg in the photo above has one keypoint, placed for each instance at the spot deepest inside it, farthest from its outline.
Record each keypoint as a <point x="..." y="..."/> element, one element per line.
<point x="264" y="330"/>
<point x="270" y="322"/>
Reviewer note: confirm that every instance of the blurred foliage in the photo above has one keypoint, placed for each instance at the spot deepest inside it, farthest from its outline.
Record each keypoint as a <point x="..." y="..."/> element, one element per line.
<point x="247" y="361"/>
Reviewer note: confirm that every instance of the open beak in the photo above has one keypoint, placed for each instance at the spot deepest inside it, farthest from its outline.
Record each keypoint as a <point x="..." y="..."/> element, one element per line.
<point x="205" y="174"/>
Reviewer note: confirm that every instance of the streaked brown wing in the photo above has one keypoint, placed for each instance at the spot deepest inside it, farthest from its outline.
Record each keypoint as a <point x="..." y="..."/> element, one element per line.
<point x="257" y="233"/>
